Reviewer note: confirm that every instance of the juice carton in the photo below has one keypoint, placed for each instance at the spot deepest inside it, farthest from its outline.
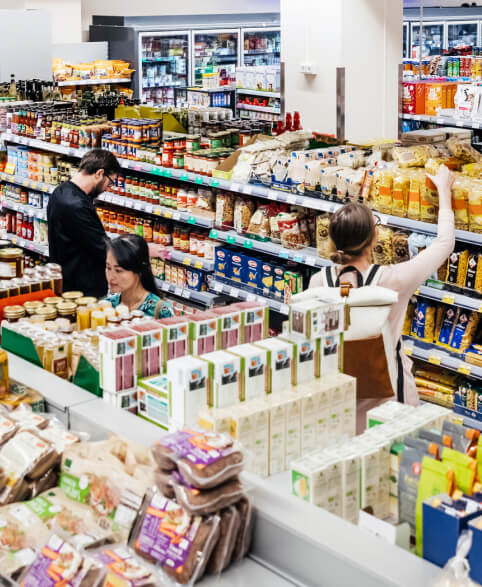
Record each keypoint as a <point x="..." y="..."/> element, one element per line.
<point x="118" y="360"/>
<point x="188" y="378"/>
<point x="279" y="364"/>
<point x="252" y="369"/>
<point x="203" y="328"/>
<point x="223" y="378"/>
<point x="229" y="323"/>
<point x="154" y="400"/>
<point x="174" y="339"/>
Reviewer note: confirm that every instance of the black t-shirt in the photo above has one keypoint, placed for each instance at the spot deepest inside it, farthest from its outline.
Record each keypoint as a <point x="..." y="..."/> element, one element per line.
<point x="77" y="240"/>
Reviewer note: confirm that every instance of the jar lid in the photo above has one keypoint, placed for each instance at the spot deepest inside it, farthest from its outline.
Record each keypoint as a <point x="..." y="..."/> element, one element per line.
<point x="72" y="295"/>
<point x="14" y="312"/>
<point x="11" y="252"/>
<point x="86" y="301"/>
<point x="52" y="301"/>
<point x="49" y="313"/>
<point x="33" y="305"/>
<point x="66" y="307"/>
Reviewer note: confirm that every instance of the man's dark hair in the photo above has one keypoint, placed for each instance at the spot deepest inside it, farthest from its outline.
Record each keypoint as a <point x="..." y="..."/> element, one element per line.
<point x="99" y="159"/>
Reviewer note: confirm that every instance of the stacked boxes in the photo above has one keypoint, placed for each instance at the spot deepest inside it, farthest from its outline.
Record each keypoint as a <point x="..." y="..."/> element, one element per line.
<point x="252" y="370"/>
<point x="118" y="376"/>
<point x="148" y="348"/>
<point x="174" y="341"/>
<point x="223" y="379"/>
<point x="154" y="400"/>
<point x="279" y="358"/>
<point x="188" y="377"/>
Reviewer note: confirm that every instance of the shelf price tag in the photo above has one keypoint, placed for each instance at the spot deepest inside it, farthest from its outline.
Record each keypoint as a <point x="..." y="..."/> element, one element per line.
<point x="137" y="167"/>
<point x="215" y="183"/>
<point x="34" y="185"/>
<point x="298" y="258"/>
<point x="213" y="234"/>
<point x="231" y="239"/>
<point x="459" y="123"/>
<point x="248" y="243"/>
<point x="191" y="220"/>
<point x="158" y="211"/>
<point x="234" y="187"/>
<point x="198" y="265"/>
<point x="408" y="350"/>
<point x="14" y="241"/>
<point x="416" y="292"/>
<point x="310" y="261"/>
<point x="186" y="294"/>
<point x="176" y="215"/>
<point x="178" y="291"/>
<point x="183" y="176"/>
<point x="248" y="189"/>
<point x="251" y="297"/>
<point x="218" y="286"/>
<point x="464" y="368"/>
<point x="233" y="292"/>
<point x="25" y="184"/>
<point x="186" y="261"/>
<point x="434" y="358"/>
<point x="199" y="179"/>
<point x="291" y="199"/>
<point x="149" y="208"/>
<point x="284" y="308"/>
<point x="167" y="172"/>
<point x="448" y="299"/>
<point x="167" y="214"/>
<point x="284" y="254"/>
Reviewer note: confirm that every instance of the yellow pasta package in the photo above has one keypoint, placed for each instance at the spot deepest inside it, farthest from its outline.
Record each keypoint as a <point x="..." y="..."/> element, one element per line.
<point x="413" y="211"/>
<point x="473" y="279"/>
<point x="384" y="203"/>
<point x="475" y="206"/>
<point x="383" y="251"/>
<point x="457" y="267"/>
<point x="439" y="316"/>
<point x="428" y="200"/>
<point x="460" y="196"/>
<point x="400" y="190"/>
<point x="407" y="323"/>
<point x="473" y="170"/>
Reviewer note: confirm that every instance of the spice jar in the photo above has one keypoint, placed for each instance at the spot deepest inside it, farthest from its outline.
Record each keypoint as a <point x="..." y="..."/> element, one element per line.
<point x="68" y="310"/>
<point x="13" y="314"/>
<point x="11" y="263"/>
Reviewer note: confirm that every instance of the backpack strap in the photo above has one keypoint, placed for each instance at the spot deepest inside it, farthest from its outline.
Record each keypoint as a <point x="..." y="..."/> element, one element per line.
<point x="400" y="378"/>
<point x="157" y="309"/>
<point x="329" y="277"/>
<point x="350" y="269"/>
<point x="372" y="274"/>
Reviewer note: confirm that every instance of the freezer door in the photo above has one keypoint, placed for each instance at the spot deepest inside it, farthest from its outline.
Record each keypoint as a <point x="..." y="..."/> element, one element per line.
<point x="462" y="33"/>
<point x="261" y="46"/>
<point x="214" y="50"/>
<point x="164" y="61"/>
<point x="432" y="41"/>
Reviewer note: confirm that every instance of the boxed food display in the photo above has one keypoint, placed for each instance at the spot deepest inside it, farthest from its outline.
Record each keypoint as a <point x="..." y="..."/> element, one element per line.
<point x="229" y="322"/>
<point x="154" y="400"/>
<point x="174" y="339"/>
<point x="148" y="348"/>
<point x="317" y="318"/>
<point x="188" y="378"/>
<point x="252" y="369"/>
<point x="117" y="360"/>
<point x="216" y="420"/>
<point x="293" y="425"/>
<point x="202" y="333"/>
<point x="278" y="287"/>
<point x="253" y="272"/>
<point x="277" y="434"/>
<point x="249" y="425"/>
<point x="279" y="355"/>
<point x="223" y="379"/>
<point x="306" y="358"/>
<point x="330" y="355"/>
<point x="125" y="400"/>
<point x="254" y="321"/>
<point x="222" y="263"/>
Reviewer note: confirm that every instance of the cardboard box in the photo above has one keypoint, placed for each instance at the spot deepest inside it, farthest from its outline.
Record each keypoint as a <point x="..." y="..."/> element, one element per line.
<point x="148" y="335"/>
<point x="306" y="358"/>
<point x="254" y="321"/>
<point x="278" y="281"/>
<point x="253" y="370"/>
<point x="203" y="328"/>
<point x="317" y="318"/>
<point x="228" y="329"/>
<point x="174" y="339"/>
<point x="279" y="355"/>
<point x="238" y="267"/>
<point x="188" y="378"/>
<point x="253" y="271"/>
<point x="118" y="360"/>
<point x="154" y="400"/>
<point x="223" y="379"/>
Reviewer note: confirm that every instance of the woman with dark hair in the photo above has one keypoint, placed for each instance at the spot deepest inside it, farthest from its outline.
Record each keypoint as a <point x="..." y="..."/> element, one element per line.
<point x="130" y="277"/>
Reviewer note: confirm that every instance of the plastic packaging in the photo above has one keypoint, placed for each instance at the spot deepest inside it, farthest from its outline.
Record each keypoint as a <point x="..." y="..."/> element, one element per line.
<point x="228" y="533"/>
<point x="456" y="571"/>
<point x="123" y="568"/>
<point x="243" y="541"/>
<point x="208" y="501"/>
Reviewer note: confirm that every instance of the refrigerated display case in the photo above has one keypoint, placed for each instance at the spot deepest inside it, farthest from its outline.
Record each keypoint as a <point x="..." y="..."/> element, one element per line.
<point x="432" y="39"/>
<point x="163" y="65"/>
<point x="214" y="50"/>
<point x="261" y="46"/>
<point x="462" y="34"/>
<point x="405" y="40"/>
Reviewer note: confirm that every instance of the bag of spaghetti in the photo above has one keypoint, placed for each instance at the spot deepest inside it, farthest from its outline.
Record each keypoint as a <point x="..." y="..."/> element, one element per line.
<point x="400" y="191"/>
<point x="463" y="150"/>
<point x="475" y="206"/>
<point x="460" y="198"/>
<point x="464" y="330"/>
<point x="383" y="200"/>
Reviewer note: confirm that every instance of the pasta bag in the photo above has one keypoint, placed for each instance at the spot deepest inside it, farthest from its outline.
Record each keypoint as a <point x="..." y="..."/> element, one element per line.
<point x="407" y="323"/>
<point x="413" y="211"/>
<point x="384" y="203"/>
<point x="400" y="191"/>
<point x="475" y="206"/>
<point x="383" y="251"/>
<point x="460" y="196"/>
<point x="428" y="201"/>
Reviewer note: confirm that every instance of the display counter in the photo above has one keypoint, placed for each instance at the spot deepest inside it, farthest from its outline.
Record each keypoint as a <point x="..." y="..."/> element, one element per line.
<point x="294" y="542"/>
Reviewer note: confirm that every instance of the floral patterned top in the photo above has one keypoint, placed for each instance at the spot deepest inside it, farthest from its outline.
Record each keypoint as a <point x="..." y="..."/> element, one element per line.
<point x="148" y="306"/>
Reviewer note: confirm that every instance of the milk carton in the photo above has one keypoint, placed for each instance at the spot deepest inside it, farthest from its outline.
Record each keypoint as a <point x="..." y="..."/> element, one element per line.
<point x="277" y="434"/>
<point x="223" y="378"/>
<point x="306" y="358"/>
<point x="279" y="359"/>
<point x="252" y="370"/>
<point x="188" y="377"/>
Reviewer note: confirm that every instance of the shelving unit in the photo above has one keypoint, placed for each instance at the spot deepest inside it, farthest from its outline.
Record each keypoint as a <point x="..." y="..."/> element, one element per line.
<point x="28" y="245"/>
<point x="189" y="260"/>
<point x="448" y="297"/>
<point x="237" y="291"/>
<point x="27" y="183"/>
<point x="264" y="93"/>
<point x="445" y="120"/>
<point x="436" y="355"/>
<point x="205" y="298"/>
<point x="266" y="109"/>
<point x="39" y="213"/>
<point x="95" y="82"/>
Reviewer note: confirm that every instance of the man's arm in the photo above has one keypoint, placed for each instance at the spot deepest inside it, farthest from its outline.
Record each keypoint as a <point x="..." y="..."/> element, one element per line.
<point x="83" y="225"/>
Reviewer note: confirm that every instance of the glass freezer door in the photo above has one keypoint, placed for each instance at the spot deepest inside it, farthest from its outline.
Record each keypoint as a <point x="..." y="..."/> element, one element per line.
<point x="405" y="40"/>
<point x="164" y="65"/>
<point x="462" y="34"/>
<point x="261" y="46"/>
<point x="214" y="51"/>
<point x="433" y="39"/>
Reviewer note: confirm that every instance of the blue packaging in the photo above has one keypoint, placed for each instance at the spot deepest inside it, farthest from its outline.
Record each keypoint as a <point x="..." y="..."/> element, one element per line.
<point x="238" y="265"/>
<point x="266" y="281"/>
<point x="253" y="272"/>
<point x="222" y="264"/>
<point x="195" y="279"/>
<point x="278" y="281"/>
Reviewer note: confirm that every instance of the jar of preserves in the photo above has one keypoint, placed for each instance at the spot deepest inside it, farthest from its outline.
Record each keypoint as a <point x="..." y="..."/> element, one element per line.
<point x="176" y="238"/>
<point x="11" y="263"/>
<point x="193" y="142"/>
<point x="53" y="301"/>
<point x="178" y="160"/>
<point x="13" y="314"/>
<point x="67" y="310"/>
<point x="32" y="307"/>
<point x="72" y="296"/>
<point x="184" y="237"/>
<point x="47" y="312"/>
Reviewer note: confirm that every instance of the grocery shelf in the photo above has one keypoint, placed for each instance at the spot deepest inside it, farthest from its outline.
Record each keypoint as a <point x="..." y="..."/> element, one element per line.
<point x="244" y="294"/>
<point x="267" y="109"/>
<point x="40" y="213"/>
<point x="306" y="255"/>
<point x="189" y="260"/>
<point x="37" y="144"/>
<point x="205" y="298"/>
<point x="445" y="120"/>
<point x="265" y="93"/>
<point x="448" y="297"/>
<point x="28" y="245"/>
<point x="27" y="183"/>
<point x="95" y="82"/>
<point x="165" y="212"/>
<point x="210" y="90"/>
<point x="436" y="355"/>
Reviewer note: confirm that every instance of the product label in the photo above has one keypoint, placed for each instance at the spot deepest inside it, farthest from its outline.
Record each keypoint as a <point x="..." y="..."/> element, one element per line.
<point x="19" y="455"/>
<point x="167" y="532"/>
<point x="8" y="270"/>
<point x="121" y="564"/>
<point x="300" y="485"/>
<point x="201" y="448"/>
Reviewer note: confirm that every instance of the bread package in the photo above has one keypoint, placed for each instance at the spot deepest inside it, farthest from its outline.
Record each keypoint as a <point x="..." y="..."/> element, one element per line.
<point x="204" y="459"/>
<point x="243" y="541"/>
<point x="229" y="528"/>
<point x="207" y="501"/>
<point x="124" y="569"/>
<point x="167" y="535"/>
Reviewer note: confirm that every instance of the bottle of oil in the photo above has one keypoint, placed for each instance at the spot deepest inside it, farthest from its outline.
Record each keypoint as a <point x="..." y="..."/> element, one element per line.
<point x="12" y="90"/>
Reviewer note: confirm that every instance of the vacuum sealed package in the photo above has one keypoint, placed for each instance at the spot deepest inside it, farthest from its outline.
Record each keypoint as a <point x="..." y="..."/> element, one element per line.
<point x="8" y="428"/>
<point x="123" y="568"/>
<point x="204" y="459"/>
<point x="229" y="527"/>
<point x="59" y="563"/>
<point x="165" y="534"/>
<point x="58" y="436"/>
<point x="28" y="419"/>
<point x="462" y="438"/>
<point x="243" y="541"/>
<point x="208" y="501"/>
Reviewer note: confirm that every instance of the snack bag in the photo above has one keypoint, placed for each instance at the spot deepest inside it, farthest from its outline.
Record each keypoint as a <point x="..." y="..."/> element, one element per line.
<point x="400" y="247"/>
<point x="463" y="150"/>
<point x="385" y="199"/>
<point x="400" y="192"/>
<point x="460" y="198"/>
<point x="407" y="323"/>
<point x="323" y="236"/>
<point x="413" y="211"/>
<point x="457" y="267"/>
<point x="243" y="211"/>
<point x="382" y="253"/>
<point x="475" y="206"/>
<point x="448" y="323"/>
<point x="464" y="467"/>
<point x="428" y="201"/>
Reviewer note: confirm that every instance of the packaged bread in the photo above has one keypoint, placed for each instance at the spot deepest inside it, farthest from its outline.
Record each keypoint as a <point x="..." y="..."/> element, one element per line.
<point x="457" y="267"/>
<point x="464" y="330"/>
<point x="323" y="236"/>
<point x="122" y="568"/>
<point x="463" y="150"/>
<point x="202" y="502"/>
<point x="473" y="279"/>
<point x="475" y="206"/>
<point x="224" y="210"/>
<point x="59" y="563"/>
<point x="47" y="481"/>
<point x="400" y="252"/>
<point x="25" y="418"/>
<point x="58" y="436"/>
<point x="229" y="527"/>
<point x="162" y="526"/>
<point x="460" y="201"/>
<point x="243" y="211"/>
<point x="243" y="541"/>
<point x="382" y="252"/>
<point x="400" y="191"/>
<point x="204" y="459"/>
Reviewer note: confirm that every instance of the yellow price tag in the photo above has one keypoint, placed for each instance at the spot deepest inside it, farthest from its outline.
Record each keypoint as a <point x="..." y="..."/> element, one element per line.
<point x="480" y="308"/>
<point x="464" y="369"/>
<point x="167" y="214"/>
<point x="409" y="351"/>
<point x="186" y="261"/>
<point x="198" y="265"/>
<point x="14" y="241"/>
<point x="448" y="299"/>
<point x="34" y="185"/>
<point x="157" y="211"/>
<point x="25" y="184"/>
<point x="417" y="291"/>
<point x="45" y="188"/>
<point x="434" y="359"/>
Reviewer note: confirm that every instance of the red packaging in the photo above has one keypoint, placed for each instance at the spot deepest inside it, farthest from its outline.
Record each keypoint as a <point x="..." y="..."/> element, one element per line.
<point x="409" y="98"/>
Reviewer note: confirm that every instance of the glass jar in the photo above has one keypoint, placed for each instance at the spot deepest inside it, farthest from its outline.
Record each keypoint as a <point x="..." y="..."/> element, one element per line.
<point x="13" y="314"/>
<point x="72" y="296"/>
<point x="11" y="263"/>
<point x="53" y="301"/>
<point x="46" y="312"/>
<point x="86" y="301"/>
<point x="32" y="307"/>
<point x="68" y="310"/>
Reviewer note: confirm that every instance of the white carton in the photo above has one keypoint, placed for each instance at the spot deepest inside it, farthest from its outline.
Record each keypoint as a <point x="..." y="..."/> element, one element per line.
<point x="330" y="355"/>
<point x="306" y="358"/>
<point x="216" y="420"/>
<point x="252" y="369"/>
<point x="369" y="477"/>
<point x="188" y="377"/>
<point x="223" y="378"/>
<point x="293" y="425"/>
<point x="310" y="406"/>
<point x="329" y="487"/>
<point x="279" y="358"/>
<point x="277" y="434"/>
<point x="154" y="397"/>
<point x="350" y="482"/>
<point x="250" y="426"/>
<point x="304" y="479"/>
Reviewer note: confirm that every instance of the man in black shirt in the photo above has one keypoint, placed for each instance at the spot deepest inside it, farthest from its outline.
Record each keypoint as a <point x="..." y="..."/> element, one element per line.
<point x="77" y="239"/>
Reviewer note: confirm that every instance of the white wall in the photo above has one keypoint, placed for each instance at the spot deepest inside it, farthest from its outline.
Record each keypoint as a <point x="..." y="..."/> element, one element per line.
<point x="66" y="18"/>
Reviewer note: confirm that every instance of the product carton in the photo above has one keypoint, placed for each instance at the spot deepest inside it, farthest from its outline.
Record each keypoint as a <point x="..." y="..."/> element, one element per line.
<point x="222" y="262"/>
<point x="202" y="333"/>
<point x="229" y="326"/>
<point x="250" y="426"/>
<point x="279" y="356"/>
<point x="148" y="335"/>
<point x="350" y="482"/>
<point x="310" y="412"/>
<point x="330" y="354"/>
<point x="304" y="479"/>
<point x="188" y="378"/>
<point x="369" y="476"/>
<point x="252" y="369"/>
<point x="293" y="425"/>
<point x="174" y="339"/>
<point x="254" y="321"/>
<point x="317" y="318"/>
<point x="317" y="479"/>
<point x="125" y="400"/>
<point x="216" y="420"/>
<point x="223" y="379"/>
<point x="322" y="396"/>
<point x="278" y="287"/>
<point x="277" y="434"/>
<point x="267" y="277"/>
<point x="306" y="358"/>
<point x="118" y="360"/>
<point x="253" y="272"/>
<point x="154" y="400"/>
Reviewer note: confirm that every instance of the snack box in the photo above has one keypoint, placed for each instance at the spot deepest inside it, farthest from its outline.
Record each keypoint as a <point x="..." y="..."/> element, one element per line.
<point x="229" y="323"/>
<point x="174" y="339"/>
<point x="317" y="318"/>
<point x="267" y="276"/>
<point x="238" y="267"/>
<point x="223" y="378"/>
<point x="330" y="354"/>
<point x="125" y="400"/>
<point x="278" y="287"/>
<point x="222" y="262"/>
<point x="188" y="378"/>
<point x="154" y="400"/>
<point x="148" y="335"/>
<point x="279" y="356"/>
<point x="203" y="328"/>
<point x="253" y="271"/>
<point x="117" y="360"/>
<point x="254" y="321"/>
<point x="216" y="420"/>
<point x="250" y="426"/>
<point x="306" y="358"/>
<point x="253" y="370"/>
